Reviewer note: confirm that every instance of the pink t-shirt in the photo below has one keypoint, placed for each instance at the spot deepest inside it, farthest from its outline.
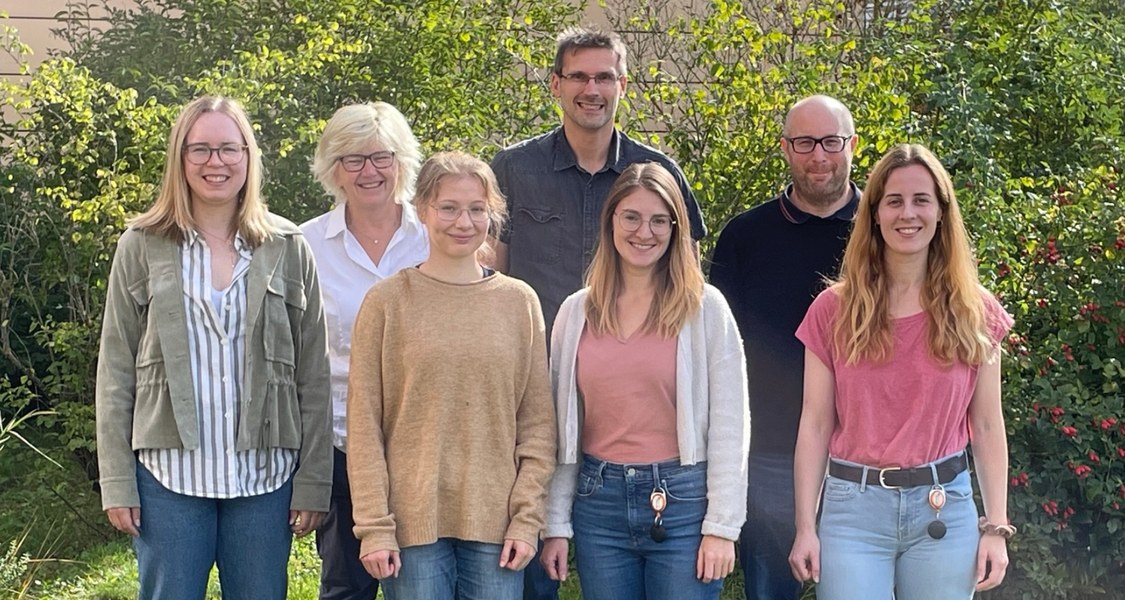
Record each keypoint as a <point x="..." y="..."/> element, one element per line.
<point x="906" y="411"/>
<point x="628" y="391"/>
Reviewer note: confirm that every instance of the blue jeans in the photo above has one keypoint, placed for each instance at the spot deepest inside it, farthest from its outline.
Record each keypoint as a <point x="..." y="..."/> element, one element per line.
<point x="874" y="545"/>
<point x="183" y="536"/>
<point x="617" y="558"/>
<point x="767" y="536"/>
<point x="451" y="569"/>
<point x="342" y="576"/>
<point x="536" y="584"/>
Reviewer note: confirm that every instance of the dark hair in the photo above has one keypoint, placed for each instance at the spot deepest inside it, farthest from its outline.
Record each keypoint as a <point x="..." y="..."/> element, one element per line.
<point x="576" y="38"/>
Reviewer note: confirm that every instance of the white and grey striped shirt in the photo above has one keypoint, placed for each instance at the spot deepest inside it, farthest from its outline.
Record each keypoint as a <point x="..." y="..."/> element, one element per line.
<point x="216" y="327"/>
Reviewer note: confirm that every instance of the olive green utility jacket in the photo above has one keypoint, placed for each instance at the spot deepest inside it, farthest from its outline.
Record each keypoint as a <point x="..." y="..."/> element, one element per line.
<point x="144" y="395"/>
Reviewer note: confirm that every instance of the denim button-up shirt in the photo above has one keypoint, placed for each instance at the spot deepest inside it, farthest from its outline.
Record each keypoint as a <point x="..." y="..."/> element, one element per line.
<point x="554" y="206"/>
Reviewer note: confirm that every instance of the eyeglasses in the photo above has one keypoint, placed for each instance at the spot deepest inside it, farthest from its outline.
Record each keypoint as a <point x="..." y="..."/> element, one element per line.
<point x="599" y="79"/>
<point x="200" y="154"/>
<point x="831" y="143"/>
<point x="450" y="212"/>
<point x="632" y="221"/>
<point x="353" y="163"/>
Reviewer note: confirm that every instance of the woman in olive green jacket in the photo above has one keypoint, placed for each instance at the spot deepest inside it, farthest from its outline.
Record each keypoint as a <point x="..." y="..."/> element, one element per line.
<point x="214" y="439"/>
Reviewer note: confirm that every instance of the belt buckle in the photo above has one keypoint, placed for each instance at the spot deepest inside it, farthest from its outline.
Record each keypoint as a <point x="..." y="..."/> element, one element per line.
<point x="883" y="481"/>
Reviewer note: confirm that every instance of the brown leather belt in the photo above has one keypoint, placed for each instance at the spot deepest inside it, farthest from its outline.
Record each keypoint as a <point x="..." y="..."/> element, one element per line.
<point x="894" y="477"/>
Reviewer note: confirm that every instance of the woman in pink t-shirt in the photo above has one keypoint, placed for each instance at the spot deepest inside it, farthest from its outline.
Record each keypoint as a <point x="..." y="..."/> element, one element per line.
<point x="902" y="371"/>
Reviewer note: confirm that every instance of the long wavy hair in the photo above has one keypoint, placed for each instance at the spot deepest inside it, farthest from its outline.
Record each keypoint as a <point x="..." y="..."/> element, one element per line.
<point x="171" y="214"/>
<point x="952" y="297"/>
<point x="679" y="280"/>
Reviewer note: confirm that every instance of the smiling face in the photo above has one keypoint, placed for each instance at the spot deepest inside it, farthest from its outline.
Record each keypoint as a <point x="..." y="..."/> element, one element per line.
<point x="909" y="211"/>
<point x="820" y="179"/>
<point x="370" y="186"/>
<point x="586" y="104"/>
<point x="213" y="182"/>
<point x="640" y="250"/>
<point x="461" y="236"/>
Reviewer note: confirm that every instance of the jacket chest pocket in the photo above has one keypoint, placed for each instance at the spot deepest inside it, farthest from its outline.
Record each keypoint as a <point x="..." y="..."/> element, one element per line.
<point x="283" y="312"/>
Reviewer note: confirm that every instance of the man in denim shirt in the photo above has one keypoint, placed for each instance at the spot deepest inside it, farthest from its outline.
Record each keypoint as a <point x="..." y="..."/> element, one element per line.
<point x="556" y="183"/>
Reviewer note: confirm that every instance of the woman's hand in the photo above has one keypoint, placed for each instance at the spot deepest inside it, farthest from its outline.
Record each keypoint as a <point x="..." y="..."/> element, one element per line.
<point x="804" y="559"/>
<point x="382" y="564"/>
<point x="554" y="558"/>
<point x="715" y="559"/>
<point x="125" y="519"/>
<point x="992" y="561"/>
<point x="304" y="522"/>
<point x="516" y="554"/>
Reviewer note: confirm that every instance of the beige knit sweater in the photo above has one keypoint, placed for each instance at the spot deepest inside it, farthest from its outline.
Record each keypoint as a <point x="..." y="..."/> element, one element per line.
<point x="451" y="425"/>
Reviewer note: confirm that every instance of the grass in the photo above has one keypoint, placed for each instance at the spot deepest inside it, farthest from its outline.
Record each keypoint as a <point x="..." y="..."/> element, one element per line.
<point x="109" y="572"/>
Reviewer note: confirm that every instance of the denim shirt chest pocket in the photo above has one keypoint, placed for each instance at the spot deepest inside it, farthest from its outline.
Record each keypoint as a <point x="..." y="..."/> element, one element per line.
<point x="538" y="227"/>
<point x="282" y="315"/>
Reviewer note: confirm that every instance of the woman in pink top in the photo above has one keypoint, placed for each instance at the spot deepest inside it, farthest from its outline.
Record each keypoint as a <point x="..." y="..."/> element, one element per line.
<point x="650" y="391"/>
<point x="902" y="371"/>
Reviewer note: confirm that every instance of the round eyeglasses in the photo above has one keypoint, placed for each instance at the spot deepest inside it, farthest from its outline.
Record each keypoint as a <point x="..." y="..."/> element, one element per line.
<point x="832" y="144"/>
<point x="449" y="213"/>
<point x="200" y="154"/>
<point x="353" y="163"/>
<point x="631" y="221"/>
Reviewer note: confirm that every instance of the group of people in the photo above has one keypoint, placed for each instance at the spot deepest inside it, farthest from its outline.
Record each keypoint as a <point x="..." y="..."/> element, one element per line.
<point x="462" y="368"/>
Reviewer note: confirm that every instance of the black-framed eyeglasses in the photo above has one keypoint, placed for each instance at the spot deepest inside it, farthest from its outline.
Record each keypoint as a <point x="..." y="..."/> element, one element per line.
<point x="831" y="143"/>
<point x="450" y="212"/>
<point x="600" y="79"/>
<point x="200" y="154"/>
<point x="631" y="221"/>
<point x="353" y="163"/>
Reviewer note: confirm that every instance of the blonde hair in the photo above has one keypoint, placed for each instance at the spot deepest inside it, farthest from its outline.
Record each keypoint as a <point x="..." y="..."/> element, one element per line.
<point x="171" y="214"/>
<point x="952" y="297"/>
<point x="444" y="165"/>
<point x="678" y="278"/>
<point x="356" y="127"/>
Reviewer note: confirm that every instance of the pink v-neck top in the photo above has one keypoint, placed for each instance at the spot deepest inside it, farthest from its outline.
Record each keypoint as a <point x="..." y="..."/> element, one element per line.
<point x="906" y="411"/>
<point x="628" y="391"/>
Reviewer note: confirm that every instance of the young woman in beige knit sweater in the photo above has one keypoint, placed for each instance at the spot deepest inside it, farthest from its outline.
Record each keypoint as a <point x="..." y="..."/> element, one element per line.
<point x="450" y="426"/>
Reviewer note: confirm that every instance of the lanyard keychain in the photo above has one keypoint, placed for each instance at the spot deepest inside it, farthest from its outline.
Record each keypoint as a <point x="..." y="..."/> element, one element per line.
<point x="936" y="528"/>
<point x="659" y="501"/>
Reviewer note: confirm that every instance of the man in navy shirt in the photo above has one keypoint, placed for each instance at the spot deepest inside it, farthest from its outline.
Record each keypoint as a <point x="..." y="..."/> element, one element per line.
<point x="770" y="262"/>
<point x="556" y="183"/>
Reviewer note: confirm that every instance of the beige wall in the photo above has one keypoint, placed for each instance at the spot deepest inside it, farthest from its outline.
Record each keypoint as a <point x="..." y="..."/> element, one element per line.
<point x="34" y="19"/>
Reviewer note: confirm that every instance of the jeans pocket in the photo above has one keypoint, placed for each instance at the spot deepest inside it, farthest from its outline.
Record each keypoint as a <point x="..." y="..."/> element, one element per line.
<point x="586" y="485"/>
<point x="839" y="490"/>
<point x="689" y="486"/>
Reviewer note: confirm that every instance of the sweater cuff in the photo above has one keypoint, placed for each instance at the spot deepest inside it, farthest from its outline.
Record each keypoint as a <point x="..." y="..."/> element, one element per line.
<point x="563" y="530"/>
<point x="727" y="533"/>
<point x="375" y="543"/>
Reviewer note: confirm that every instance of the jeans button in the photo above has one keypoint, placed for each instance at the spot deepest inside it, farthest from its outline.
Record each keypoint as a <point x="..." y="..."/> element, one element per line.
<point x="631" y="472"/>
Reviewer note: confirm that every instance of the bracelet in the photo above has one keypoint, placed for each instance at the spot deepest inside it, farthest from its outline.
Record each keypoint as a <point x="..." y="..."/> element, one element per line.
<point x="1004" y="531"/>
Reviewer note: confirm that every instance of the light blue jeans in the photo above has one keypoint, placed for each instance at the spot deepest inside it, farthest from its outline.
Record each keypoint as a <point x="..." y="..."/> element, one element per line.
<point x="453" y="569"/>
<point x="874" y="545"/>
<point x="617" y="558"/>
<point x="183" y="536"/>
